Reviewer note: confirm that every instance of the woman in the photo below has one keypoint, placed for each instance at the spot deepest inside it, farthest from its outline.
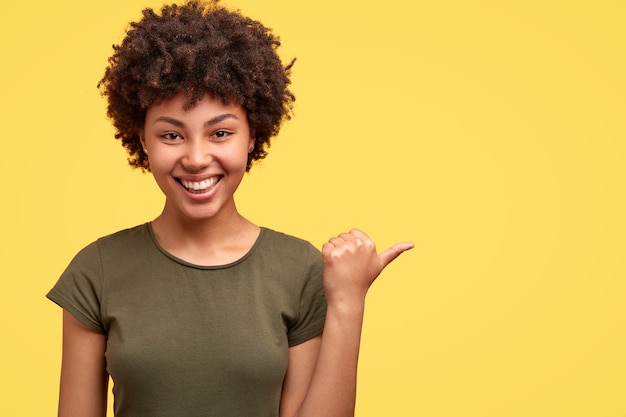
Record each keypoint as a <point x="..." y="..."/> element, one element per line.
<point x="201" y="312"/>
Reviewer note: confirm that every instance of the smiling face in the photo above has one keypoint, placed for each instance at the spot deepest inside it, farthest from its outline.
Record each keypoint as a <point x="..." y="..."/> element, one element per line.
<point x="198" y="156"/>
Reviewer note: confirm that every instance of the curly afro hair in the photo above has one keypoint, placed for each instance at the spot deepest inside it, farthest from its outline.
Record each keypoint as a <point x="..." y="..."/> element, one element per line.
<point x="197" y="48"/>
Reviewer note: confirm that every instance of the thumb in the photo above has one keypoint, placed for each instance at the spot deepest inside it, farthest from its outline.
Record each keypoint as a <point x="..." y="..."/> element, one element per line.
<point x="393" y="252"/>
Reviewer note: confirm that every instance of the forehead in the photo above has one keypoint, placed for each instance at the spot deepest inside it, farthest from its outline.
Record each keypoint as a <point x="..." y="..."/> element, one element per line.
<point x="207" y="105"/>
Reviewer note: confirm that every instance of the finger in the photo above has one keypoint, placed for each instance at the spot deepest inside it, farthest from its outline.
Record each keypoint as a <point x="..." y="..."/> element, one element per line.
<point x="359" y="234"/>
<point x="327" y="248"/>
<point x="348" y="236"/>
<point x="336" y="241"/>
<point x="393" y="252"/>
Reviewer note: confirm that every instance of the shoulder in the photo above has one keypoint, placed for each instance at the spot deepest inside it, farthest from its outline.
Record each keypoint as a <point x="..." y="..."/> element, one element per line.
<point x="283" y="238"/>
<point x="123" y="242"/>
<point x="286" y="244"/>
<point x="289" y="251"/>
<point x="126" y="236"/>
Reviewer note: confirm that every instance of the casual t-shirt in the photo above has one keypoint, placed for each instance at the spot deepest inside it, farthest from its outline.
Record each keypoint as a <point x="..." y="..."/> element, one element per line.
<point x="189" y="340"/>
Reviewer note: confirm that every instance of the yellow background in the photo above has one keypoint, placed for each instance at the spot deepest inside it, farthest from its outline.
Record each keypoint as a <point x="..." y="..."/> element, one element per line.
<point x="489" y="133"/>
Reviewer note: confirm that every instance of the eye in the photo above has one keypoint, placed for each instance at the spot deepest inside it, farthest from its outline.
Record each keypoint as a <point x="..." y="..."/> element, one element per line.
<point x="171" y="136"/>
<point x="221" y="134"/>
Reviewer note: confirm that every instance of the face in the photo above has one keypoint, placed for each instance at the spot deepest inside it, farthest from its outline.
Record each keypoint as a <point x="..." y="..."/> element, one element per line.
<point x="197" y="156"/>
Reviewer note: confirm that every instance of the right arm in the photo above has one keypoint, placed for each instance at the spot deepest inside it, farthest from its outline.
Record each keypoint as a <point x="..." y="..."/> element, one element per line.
<point x="84" y="380"/>
<point x="327" y="385"/>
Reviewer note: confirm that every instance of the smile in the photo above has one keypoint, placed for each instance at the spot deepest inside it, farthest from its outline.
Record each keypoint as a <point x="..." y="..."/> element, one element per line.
<point x="199" y="187"/>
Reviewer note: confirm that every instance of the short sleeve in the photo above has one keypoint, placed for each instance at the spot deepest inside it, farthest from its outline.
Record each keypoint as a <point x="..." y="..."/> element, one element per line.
<point x="312" y="311"/>
<point x="79" y="289"/>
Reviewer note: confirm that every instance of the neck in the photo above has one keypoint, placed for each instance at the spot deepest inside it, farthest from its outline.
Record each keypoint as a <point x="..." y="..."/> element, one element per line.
<point x="211" y="241"/>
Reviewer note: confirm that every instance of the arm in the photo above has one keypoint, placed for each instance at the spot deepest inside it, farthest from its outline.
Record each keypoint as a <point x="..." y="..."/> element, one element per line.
<point x="351" y="264"/>
<point x="300" y="368"/>
<point x="84" y="379"/>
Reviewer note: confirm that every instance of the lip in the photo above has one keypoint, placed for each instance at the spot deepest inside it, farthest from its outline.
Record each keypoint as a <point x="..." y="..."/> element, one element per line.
<point x="200" y="188"/>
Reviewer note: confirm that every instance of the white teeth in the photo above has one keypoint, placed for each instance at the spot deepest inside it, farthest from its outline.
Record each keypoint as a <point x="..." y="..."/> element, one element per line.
<point x="200" y="185"/>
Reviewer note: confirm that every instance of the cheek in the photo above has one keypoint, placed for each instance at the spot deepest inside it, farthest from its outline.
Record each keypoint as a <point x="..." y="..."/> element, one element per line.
<point x="159" y="164"/>
<point x="233" y="159"/>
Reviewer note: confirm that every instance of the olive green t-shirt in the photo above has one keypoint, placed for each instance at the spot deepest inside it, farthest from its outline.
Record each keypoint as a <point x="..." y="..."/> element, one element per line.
<point x="189" y="340"/>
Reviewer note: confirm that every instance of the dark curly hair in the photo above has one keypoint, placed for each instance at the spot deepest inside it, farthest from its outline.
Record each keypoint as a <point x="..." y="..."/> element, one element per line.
<point x="197" y="48"/>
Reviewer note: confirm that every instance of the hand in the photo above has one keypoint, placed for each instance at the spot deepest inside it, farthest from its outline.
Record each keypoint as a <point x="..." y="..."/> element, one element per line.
<point x="351" y="264"/>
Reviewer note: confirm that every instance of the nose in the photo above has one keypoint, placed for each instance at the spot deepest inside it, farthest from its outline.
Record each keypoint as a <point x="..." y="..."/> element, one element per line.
<point x="197" y="155"/>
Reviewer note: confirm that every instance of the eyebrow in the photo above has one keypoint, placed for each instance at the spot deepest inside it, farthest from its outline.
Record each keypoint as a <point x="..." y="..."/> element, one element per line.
<point x="208" y="123"/>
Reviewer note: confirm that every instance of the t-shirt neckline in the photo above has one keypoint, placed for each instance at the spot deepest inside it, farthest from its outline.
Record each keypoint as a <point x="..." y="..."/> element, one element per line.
<point x="208" y="267"/>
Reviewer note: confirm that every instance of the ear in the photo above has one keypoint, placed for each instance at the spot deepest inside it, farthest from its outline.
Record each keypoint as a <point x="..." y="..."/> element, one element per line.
<point x="142" y="139"/>
<point x="251" y="143"/>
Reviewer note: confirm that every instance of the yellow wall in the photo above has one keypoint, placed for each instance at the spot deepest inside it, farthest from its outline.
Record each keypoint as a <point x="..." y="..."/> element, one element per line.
<point x="489" y="133"/>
